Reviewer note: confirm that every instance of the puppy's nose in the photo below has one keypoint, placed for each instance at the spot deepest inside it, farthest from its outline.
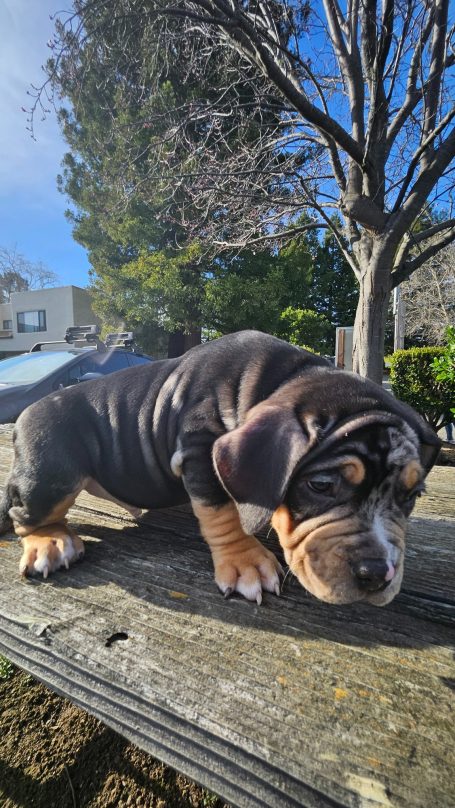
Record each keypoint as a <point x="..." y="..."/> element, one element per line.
<point x="372" y="574"/>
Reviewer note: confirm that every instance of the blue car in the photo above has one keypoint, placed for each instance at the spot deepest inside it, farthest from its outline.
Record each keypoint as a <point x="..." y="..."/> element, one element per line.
<point x="26" y="378"/>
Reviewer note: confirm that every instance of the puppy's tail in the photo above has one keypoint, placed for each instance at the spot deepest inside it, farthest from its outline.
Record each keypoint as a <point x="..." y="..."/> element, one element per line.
<point x="6" y="503"/>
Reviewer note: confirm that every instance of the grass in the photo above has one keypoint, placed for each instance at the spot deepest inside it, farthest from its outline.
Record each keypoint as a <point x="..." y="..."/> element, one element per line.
<point x="6" y="668"/>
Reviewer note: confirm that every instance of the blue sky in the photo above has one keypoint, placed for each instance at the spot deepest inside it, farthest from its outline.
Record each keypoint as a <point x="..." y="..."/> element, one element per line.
<point x="31" y="208"/>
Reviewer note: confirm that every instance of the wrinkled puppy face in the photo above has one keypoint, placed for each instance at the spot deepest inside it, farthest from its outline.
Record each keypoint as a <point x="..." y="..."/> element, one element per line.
<point x="342" y="525"/>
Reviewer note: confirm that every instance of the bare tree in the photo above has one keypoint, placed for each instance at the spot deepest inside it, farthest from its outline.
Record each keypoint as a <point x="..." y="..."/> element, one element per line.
<point x="363" y="95"/>
<point x="17" y="274"/>
<point x="429" y="297"/>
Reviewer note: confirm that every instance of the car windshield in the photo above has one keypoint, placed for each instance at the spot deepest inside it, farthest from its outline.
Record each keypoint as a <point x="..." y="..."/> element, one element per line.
<point x="32" y="367"/>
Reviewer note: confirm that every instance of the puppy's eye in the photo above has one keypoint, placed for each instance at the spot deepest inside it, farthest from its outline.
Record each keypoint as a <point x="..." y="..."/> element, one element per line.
<point x="320" y="486"/>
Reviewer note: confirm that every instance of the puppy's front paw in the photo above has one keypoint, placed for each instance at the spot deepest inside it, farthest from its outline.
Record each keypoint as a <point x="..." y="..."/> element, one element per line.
<point x="49" y="548"/>
<point x="248" y="569"/>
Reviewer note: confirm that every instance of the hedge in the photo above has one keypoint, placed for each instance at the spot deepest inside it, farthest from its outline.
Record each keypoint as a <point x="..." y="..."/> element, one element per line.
<point x="413" y="380"/>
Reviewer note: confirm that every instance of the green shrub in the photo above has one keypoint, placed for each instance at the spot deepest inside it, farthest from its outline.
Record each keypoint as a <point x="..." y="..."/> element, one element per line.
<point x="305" y="327"/>
<point x="310" y="350"/>
<point x="444" y="365"/>
<point x="6" y="668"/>
<point x="414" y="380"/>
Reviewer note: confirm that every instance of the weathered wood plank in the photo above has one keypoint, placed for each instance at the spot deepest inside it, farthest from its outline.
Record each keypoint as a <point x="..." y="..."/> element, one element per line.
<point x="288" y="704"/>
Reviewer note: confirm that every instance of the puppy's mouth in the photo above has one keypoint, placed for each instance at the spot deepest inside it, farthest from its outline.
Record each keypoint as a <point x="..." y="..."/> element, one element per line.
<point x="337" y="561"/>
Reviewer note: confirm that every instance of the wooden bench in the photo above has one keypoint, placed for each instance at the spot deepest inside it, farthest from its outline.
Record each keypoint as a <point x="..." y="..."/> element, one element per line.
<point x="293" y="703"/>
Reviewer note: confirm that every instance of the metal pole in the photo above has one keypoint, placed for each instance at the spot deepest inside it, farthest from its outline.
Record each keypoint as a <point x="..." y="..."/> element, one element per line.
<point x="399" y="321"/>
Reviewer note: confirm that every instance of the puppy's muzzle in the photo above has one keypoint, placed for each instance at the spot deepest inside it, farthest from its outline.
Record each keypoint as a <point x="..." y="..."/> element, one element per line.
<point x="338" y="559"/>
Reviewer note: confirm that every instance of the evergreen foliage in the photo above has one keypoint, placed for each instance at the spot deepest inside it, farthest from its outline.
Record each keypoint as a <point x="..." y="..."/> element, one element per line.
<point x="307" y="328"/>
<point x="414" y="380"/>
<point x="334" y="290"/>
<point x="444" y="364"/>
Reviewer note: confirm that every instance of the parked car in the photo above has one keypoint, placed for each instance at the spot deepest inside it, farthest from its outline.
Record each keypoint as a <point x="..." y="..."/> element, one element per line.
<point x="30" y="376"/>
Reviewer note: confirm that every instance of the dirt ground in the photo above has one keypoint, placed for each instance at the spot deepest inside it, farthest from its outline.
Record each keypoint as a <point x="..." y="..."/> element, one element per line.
<point x="54" y="755"/>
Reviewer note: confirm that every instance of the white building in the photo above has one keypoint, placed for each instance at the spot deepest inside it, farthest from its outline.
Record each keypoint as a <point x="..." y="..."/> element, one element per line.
<point x="42" y="315"/>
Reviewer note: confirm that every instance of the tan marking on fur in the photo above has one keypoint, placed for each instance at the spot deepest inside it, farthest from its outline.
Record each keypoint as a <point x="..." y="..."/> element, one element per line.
<point x="310" y="421"/>
<point x="411" y="474"/>
<point x="241" y="562"/>
<point x="282" y="523"/>
<point x="319" y="536"/>
<point x="220" y="527"/>
<point x="333" y="530"/>
<point x="291" y="535"/>
<point x="57" y="514"/>
<point x="50" y="547"/>
<point x="353" y="470"/>
<point x="61" y="509"/>
<point x="24" y="531"/>
<point x="96" y="490"/>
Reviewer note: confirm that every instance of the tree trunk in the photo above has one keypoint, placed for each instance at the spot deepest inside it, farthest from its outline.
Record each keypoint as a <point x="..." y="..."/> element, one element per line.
<point x="192" y="339"/>
<point x="371" y="317"/>
<point x="179" y="342"/>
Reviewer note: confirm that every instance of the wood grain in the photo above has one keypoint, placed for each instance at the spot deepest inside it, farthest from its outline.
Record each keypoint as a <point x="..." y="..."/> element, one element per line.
<point x="293" y="703"/>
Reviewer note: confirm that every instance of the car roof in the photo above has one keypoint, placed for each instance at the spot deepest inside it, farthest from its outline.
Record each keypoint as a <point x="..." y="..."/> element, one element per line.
<point x="86" y="350"/>
<point x="67" y="350"/>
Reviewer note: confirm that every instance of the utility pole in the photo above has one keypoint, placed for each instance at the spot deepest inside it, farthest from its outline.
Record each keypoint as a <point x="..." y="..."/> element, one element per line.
<point x="398" y="319"/>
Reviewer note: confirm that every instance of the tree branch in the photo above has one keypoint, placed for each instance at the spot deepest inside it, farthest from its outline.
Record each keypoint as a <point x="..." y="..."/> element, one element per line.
<point x="413" y="95"/>
<point x="248" y="40"/>
<point x="423" y="235"/>
<point x="425" y="146"/>
<point x="290" y="233"/>
<point x="410" y="266"/>
<point x="433" y="91"/>
<point x="402" y="220"/>
<point x="337" y="235"/>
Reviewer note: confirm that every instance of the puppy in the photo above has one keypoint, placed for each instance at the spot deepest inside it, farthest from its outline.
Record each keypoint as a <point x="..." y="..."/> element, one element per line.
<point x="250" y="430"/>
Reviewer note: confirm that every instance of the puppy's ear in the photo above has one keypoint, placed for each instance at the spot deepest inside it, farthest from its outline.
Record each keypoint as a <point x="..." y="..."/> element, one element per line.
<point x="430" y="444"/>
<point x="255" y="462"/>
<point x="429" y="453"/>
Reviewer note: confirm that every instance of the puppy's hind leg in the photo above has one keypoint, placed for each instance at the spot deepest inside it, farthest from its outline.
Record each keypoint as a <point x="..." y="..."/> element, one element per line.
<point x="6" y="523"/>
<point x="96" y="490"/>
<point x="47" y="540"/>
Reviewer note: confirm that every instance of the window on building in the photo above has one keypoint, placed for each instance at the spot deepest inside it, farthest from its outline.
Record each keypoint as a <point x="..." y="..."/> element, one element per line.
<point x="7" y="325"/>
<point x="30" y="321"/>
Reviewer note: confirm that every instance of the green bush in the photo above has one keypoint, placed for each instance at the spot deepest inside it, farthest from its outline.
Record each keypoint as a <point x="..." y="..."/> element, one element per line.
<point x="444" y="365"/>
<point x="305" y="327"/>
<point x="414" y="379"/>
<point x="6" y="668"/>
